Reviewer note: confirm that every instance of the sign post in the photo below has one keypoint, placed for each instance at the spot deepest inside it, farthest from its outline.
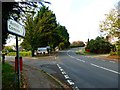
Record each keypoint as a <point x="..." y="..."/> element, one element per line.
<point x="16" y="29"/>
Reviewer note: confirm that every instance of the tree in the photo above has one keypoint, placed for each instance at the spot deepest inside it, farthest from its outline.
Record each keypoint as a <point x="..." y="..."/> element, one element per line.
<point x="63" y="37"/>
<point x="110" y="24"/>
<point x="99" y="46"/>
<point x="40" y="29"/>
<point x="16" y="11"/>
<point x="77" y="44"/>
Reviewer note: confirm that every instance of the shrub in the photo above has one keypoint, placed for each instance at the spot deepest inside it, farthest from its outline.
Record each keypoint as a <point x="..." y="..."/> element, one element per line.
<point x="113" y="53"/>
<point x="99" y="46"/>
<point x="22" y="54"/>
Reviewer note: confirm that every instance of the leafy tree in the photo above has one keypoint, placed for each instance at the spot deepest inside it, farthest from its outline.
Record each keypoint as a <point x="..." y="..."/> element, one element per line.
<point x="99" y="46"/>
<point x="77" y="44"/>
<point x="63" y="36"/>
<point x="16" y="11"/>
<point x="110" y="24"/>
<point x="40" y="30"/>
<point x="43" y="30"/>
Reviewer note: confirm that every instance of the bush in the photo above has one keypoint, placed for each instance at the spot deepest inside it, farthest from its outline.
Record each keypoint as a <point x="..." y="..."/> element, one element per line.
<point x="113" y="53"/>
<point x="77" y="44"/>
<point x="22" y="54"/>
<point x="99" y="46"/>
<point x="8" y="48"/>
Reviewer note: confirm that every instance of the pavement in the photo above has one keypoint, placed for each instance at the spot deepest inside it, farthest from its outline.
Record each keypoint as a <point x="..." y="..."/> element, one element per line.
<point x="36" y="77"/>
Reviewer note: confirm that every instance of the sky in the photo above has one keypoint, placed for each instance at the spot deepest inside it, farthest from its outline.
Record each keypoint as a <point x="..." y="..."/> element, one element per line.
<point x="80" y="17"/>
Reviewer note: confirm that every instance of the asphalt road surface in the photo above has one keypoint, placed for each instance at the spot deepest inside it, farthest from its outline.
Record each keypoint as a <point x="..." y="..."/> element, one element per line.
<point x="88" y="72"/>
<point x="77" y="70"/>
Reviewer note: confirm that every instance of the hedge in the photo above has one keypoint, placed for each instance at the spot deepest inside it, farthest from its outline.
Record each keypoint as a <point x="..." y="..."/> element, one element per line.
<point x="20" y="53"/>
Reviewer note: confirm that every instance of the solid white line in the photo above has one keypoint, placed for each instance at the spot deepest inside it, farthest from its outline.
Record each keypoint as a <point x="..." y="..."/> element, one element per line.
<point x="105" y="68"/>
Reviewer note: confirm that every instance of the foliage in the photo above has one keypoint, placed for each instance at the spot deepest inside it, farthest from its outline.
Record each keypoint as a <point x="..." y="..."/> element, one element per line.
<point x="42" y="30"/>
<point x="16" y="11"/>
<point x="111" y="24"/>
<point x="22" y="54"/>
<point x="77" y="44"/>
<point x="8" y="48"/>
<point x="99" y="46"/>
<point x="113" y="53"/>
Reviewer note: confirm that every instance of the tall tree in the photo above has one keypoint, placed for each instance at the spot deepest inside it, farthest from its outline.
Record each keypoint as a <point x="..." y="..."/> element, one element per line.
<point x="40" y="29"/>
<point x="15" y="10"/>
<point x="43" y="30"/>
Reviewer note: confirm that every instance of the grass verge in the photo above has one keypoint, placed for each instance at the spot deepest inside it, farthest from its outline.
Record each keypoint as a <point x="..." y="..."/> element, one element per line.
<point x="8" y="77"/>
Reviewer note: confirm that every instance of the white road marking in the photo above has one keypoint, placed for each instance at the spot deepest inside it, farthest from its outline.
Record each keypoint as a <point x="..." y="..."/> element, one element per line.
<point x="66" y="76"/>
<point x="58" y="65"/>
<point x="76" y="88"/>
<point x="95" y="64"/>
<point x="61" y="69"/>
<point x="70" y="82"/>
<point x="105" y="68"/>
<point x="112" y="61"/>
<point x="63" y="72"/>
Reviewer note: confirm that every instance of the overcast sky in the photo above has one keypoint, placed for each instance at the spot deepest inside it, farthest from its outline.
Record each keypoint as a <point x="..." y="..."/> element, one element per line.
<point x="81" y="17"/>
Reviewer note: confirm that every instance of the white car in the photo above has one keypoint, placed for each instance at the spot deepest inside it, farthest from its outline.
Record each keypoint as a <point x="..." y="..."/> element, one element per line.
<point x="42" y="50"/>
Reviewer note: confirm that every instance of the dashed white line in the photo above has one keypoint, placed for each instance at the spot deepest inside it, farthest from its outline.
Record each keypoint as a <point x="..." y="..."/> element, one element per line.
<point x="112" y="61"/>
<point x="105" y="68"/>
<point x="66" y="76"/>
<point x="96" y="65"/>
<point x="61" y="69"/>
<point x="76" y="88"/>
<point x="63" y="72"/>
<point x="70" y="82"/>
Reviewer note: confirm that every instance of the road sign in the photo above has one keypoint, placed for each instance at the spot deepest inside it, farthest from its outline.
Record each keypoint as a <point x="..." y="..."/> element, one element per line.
<point x="15" y="28"/>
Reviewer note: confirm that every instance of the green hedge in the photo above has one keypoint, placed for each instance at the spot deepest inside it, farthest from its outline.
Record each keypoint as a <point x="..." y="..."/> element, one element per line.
<point x="20" y="53"/>
<point x="113" y="53"/>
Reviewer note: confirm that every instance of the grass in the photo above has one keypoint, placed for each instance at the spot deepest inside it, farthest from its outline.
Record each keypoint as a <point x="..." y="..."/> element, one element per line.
<point x="8" y="77"/>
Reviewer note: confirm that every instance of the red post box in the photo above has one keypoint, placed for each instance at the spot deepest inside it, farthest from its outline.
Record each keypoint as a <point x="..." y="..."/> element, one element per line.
<point x="16" y="64"/>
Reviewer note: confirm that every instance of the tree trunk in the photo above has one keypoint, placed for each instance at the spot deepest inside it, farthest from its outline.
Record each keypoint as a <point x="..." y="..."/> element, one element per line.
<point x="3" y="58"/>
<point x="32" y="53"/>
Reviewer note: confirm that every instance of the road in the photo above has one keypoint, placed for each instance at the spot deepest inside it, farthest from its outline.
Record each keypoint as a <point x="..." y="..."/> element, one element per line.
<point x="77" y="70"/>
<point x="88" y="72"/>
